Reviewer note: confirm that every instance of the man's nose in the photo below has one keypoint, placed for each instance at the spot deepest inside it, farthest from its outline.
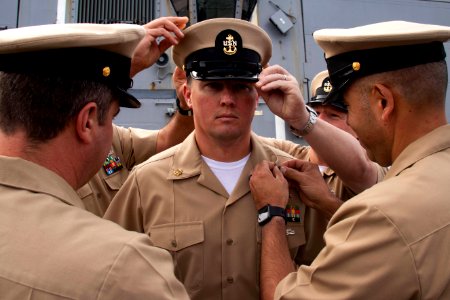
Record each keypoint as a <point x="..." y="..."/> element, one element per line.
<point x="227" y="96"/>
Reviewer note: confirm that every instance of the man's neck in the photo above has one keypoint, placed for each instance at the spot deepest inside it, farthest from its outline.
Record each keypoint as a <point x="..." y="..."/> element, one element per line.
<point x="49" y="155"/>
<point x="424" y="124"/>
<point x="224" y="150"/>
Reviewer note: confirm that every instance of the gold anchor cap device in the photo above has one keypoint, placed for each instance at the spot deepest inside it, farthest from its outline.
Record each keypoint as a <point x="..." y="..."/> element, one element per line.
<point x="223" y="48"/>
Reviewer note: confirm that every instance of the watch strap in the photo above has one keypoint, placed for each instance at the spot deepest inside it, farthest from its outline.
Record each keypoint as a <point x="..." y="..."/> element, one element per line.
<point x="309" y="124"/>
<point x="272" y="211"/>
<point x="184" y="112"/>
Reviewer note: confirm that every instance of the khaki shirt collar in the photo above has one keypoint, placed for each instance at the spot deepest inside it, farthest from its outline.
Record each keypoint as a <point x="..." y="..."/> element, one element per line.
<point x="26" y="175"/>
<point x="187" y="162"/>
<point x="435" y="141"/>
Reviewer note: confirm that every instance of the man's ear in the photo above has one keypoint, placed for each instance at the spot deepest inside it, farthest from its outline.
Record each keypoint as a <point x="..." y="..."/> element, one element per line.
<point x="384" y="101"/>
<point x="187" y="95"/>
<point x="86" y="122"/>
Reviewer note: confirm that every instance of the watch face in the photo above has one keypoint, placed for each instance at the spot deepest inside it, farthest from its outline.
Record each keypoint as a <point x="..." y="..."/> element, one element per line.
<point x="263" y="216"/>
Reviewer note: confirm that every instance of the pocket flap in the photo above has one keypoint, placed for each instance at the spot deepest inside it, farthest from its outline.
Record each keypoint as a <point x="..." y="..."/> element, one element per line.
<point x="174" y="237"/>
<point x="85" y="191"/>
<point x="115" y="181"/>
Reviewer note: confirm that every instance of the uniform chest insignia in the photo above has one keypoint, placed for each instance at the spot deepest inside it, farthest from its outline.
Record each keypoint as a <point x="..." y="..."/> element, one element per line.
<point x="177" y="172"/>
<point x="112" y="163"/>
<point x="293" y="213"/>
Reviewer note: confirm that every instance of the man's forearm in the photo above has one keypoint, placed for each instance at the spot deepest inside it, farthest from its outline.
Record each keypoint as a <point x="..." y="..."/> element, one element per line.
<point x="178" y="128"/>
<point x="343" y="153"/>
<point x="276" y="261"/>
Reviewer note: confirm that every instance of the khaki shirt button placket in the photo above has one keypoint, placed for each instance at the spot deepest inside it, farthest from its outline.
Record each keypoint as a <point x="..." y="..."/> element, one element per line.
<point x="230" y="279"/>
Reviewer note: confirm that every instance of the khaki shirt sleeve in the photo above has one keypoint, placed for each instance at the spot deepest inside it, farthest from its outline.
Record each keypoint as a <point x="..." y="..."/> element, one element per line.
<point x="137" y="145"/>
<point x="365" y="257"/>
<point x="141" y="271"/>
<point x="296" y="150"/>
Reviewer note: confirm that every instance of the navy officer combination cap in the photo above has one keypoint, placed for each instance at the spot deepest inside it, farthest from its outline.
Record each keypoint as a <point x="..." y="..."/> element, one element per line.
<point x="361" y="51"/>
<point x="223" y="48"/>
<point x="98" y="52"/>
<point x="320" y="89"/>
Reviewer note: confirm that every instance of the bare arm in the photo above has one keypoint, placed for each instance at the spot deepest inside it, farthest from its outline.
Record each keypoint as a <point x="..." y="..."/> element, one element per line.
<point x="268" y="186"/>
<point x="343" y="153"/>
<point x="337" y="148"/>
<point x="276" y="262"/>
<point x="146" y="54"/>
<point x="180" y="125"/>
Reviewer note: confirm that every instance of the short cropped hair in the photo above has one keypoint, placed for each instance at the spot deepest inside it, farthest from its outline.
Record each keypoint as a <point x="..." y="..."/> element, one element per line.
<point x="43" y="106"/>
<point x="425" y="82"/>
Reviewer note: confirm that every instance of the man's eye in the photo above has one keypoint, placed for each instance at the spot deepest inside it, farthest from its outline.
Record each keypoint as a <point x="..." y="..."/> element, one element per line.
<point x="214" y="85"/>
<point x="242" y="87"/>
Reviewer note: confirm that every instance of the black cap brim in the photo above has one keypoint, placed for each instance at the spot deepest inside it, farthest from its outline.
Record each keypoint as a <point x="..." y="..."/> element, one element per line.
<point x="126" y="99"/>
<point x="336" y="94"/>
<point x="210" y="64"/>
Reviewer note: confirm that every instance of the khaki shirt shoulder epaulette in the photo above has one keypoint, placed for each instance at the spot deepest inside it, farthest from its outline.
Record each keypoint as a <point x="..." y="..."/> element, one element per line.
<point x="52" y="248"/>
<point x="392" y="240"/>
<point x="130" y="146"/>
<point x="214" y="237"/>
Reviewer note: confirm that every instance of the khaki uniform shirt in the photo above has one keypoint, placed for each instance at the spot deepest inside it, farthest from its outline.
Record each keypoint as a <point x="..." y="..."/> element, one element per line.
<point x="51" y="248"/>
<point x="214" y="237"/>
<point x="316" y="222"/>
<point x="130" y="146"/>
<point x="392" y="240"/>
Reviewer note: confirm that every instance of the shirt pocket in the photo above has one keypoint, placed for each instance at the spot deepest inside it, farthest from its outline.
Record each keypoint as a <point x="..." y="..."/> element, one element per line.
<point x="185" y="241"/>
<point x="296" y="237"/>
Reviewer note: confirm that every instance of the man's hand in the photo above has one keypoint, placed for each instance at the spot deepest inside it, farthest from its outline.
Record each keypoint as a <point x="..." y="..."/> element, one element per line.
<point x="313" y="190"/>
<point x="149" y="48"/>
<point x="282" y="94"/>
<point x="268" y="186"/>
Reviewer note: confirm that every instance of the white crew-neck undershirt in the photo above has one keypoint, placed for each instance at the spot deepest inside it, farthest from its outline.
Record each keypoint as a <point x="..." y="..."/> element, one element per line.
<point x="228" y="173"/>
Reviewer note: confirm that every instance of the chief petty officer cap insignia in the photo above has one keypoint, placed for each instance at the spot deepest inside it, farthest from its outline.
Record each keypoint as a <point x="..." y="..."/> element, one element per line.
<point x="361" y="51"/>
<point x="98" y="52"/>
<point x="223" y="48"/>
<point x="320" y="89"/>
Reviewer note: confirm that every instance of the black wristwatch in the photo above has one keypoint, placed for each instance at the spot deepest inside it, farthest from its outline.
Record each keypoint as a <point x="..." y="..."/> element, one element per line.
<point x="266" y="213"/>
<point x="184" y="112"/>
